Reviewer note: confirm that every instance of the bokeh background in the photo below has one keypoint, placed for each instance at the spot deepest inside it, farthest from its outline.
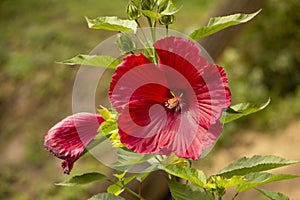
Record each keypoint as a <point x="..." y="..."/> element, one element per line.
<point x="262" y="61"/>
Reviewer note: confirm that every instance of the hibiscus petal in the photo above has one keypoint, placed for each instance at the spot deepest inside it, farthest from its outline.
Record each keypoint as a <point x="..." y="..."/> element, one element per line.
<point x="151" y="138"/>
<point x="139" y="90"/>
<point x="129" y="62"/>
<point x="136" y="86"/>
<point x="202" y="145"/>
<point x="208" y="81"/>
<point x="68" y="138"/>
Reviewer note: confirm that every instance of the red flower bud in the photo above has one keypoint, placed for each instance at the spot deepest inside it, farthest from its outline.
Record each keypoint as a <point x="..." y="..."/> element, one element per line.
<point x="69" y="137"/>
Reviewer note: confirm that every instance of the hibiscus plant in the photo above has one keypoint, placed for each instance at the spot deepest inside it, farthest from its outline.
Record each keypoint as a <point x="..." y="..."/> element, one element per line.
<point x="169" y="104"/>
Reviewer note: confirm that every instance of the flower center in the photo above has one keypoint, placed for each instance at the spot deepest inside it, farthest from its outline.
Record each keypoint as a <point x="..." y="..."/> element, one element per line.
<point x="172" y="103"/>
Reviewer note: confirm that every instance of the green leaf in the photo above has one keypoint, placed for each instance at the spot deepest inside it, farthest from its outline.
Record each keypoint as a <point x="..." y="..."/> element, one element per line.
<point x="112" y="24"/>
<point x="125" y="43"/>
<point x="229" y="182"/>
<point x="256" y="163"/>
<point x="105" y="113"/>
<point x="158" y="2"/>
<point x="260" y="178"/>
<point x="175" y="160"/>
<point x="120" y="176"/>
<point x="127" y="160"/>
<point x="273" y="195"/>
<point x="97" y="140"/>
<point x="83" y="179"/>
<point x="152" y="15"/>
<point x="107" y="127"/>
<point x="115" y="189"/>
<point x="239" y="110"/>
<point x="93" y="60"/>
<point x="115" y="139"/>
<point x="193" y="175"/>
<point x="118" y="187"/>
<point x="187" y="192"/>
<point x="106" y="196"/>
<point x="219" y="23"/>
<point x="170" y="9"/>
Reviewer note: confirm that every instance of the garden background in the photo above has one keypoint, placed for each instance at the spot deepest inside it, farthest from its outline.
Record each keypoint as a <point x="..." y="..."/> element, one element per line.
<point x="262" y="61"/>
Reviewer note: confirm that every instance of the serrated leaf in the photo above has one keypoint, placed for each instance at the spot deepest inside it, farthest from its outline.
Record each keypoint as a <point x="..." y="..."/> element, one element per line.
<point x="260" y="178"/>
<point x="256" y="163"/>
<point x="83" y="179"/>
<point x="273" y="195"/>
<point x="105" y="196"/>
<point x="219" y="23"/>
<point x="181" y="191"/>
<point x="93" y="60"/>
<point x="113" y="24"/>
<point x="193" y="175"/>
<point x="242" y="109"/>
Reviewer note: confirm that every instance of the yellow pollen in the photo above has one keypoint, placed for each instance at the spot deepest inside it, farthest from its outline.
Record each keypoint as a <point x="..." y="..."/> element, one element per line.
<point x="172" y="103"/>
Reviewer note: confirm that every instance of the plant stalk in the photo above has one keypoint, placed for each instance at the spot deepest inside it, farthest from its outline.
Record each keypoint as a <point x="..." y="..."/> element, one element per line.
<point x="133" y="193"/>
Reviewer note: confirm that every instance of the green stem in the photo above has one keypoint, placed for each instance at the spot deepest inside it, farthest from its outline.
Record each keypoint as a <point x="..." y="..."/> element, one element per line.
<point x="154" y="40"/>
<point x="149" y="22"/>
<point x="190" y="166"/>
<point x="152" y="30"/>
<point x="140" y="187"/>
<point x="235" y="196"/>
<point x="212" y="196"/>
<point x="133" y="193"/>
<point x="167" y="30"/>
<point x="156" y="158"/>
<point x="147" y="45"/>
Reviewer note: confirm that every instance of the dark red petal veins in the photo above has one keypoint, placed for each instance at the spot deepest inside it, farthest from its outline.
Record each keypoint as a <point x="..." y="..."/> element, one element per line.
<point x="152" y="138"/>
<point x="68" y="138"/>
<point x="202" y="145"/>
<point x="225" y="83"/>
<point x="128" y="63"/>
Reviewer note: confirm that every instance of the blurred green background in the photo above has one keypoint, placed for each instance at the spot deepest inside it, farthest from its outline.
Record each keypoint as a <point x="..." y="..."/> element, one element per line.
<point x="36" y="92"/>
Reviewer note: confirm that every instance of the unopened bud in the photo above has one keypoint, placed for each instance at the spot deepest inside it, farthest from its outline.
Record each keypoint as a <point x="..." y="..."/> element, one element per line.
<point x="147" y="4"/>
<point x="167" y="19"/>
<point x="133" y="12"/>
<point x="125" y="43"/>
<point x="163" y="5"/>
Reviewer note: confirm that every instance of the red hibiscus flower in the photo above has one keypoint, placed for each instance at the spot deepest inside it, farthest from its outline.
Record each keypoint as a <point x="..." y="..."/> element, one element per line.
<point x="171" y="107"/>
<point x="68" y="138"/>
